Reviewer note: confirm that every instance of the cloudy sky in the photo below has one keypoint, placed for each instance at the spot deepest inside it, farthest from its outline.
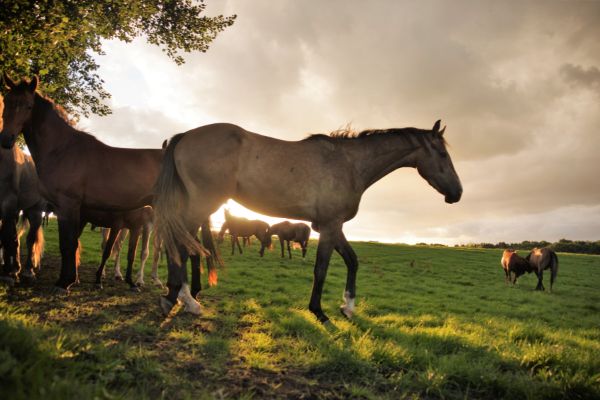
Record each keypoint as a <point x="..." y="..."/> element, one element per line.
<point x="517" y="83"/>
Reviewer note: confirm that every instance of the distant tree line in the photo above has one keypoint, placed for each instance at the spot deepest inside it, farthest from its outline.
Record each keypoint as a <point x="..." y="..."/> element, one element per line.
<point x="563" y="245"/>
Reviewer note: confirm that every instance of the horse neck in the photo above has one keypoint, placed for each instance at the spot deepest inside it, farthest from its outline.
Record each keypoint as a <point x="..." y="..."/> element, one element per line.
<point x="47" y="131"/>
<point x="376" y="156"/>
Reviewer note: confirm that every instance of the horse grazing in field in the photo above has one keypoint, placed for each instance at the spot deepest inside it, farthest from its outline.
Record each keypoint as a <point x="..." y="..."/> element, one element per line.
<point x="19" y="191"/>
<point x="243" y="227"/>
<point x="512" y="263"/>
<point x="138" y="222"/>
<point x="319" y="179"/>
<point x="286" y="231"/>
<point x="79" y="174"/>
<point x="541" y="259"/>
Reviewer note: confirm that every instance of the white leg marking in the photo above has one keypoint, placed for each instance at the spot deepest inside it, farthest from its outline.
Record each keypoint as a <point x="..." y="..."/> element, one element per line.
<point x="191" y="305"/>
<point x="348" y="307"/>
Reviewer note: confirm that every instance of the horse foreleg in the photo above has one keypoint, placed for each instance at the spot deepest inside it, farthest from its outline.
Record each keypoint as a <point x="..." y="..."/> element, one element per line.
<point x="156" y="260"/>
<point x="237" y="241"/>
<point x="540" y="275"/>
<point x="304" y="246"/>
<point x="345" y="250"/>
<point x="324" y="250"/>
<point x="134" y="237"/>
<point x="139" y="281"/>
<point x="10" y="243"/>
<point x="106" y="251"/>
<point x="68" y="230"/>
<point x="116" y="253"/>
<point x="289" y="248"/>
<point x="281" y="242"/>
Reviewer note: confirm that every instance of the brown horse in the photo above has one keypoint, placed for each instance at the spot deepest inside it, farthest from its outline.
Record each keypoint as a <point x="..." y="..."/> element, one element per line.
<point x="19" y="191"/>
<point x="79" y="174"/>
<point x="319" y="179"/>
<point x="512" y="263"/>
<point x="286" y="231"/>
<point x="138" y="222"/>
<point x="541" y="259"/>
<point x="243" y="227"/>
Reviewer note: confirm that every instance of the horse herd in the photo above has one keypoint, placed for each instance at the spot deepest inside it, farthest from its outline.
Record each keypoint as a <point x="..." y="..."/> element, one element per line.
<point x="320" y="179"/>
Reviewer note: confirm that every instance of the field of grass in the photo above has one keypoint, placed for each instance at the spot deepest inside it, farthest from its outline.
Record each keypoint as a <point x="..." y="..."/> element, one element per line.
<point x="430" y="323"/>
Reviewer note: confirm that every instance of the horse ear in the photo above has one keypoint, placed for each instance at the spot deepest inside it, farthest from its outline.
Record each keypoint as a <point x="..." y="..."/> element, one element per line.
<point x="164" y="144"/>
<point x="443" y="130"/>
<point x="9" y="82"/>
<point x="436" y="126"/>
<point x="34" y="83"/>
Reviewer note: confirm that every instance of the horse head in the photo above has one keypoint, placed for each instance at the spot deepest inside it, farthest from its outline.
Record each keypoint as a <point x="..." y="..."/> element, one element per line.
<point x="435" y="166"/>
<point x="18" y="106"/>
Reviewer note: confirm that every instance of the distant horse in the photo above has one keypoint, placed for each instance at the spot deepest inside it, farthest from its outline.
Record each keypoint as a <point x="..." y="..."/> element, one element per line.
<point x="19" y="191"/>
<point x="286" y="231"/>
<point x="512" y="263"/>
<point x="79" y="174"/>
<point x="541" y="259"/>
<point x="138" y="222"/>
<point x="243" y="227"/>
<point x="319" y="179"/>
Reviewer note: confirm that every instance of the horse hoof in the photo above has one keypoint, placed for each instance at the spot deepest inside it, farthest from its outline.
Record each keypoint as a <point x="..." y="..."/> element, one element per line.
<point x="118" y="278"/>
<point x="27" y="279"/>
<point x="134" y="289"/>
<point x="346" y="312"/>
<point x="99" y="286"/>
<point x="140" y="283"/>
<point x="7" y="280"/>
<point x="158" y="283"/>
<point x="165" y="305"/>
<point x="59" y="291"/>
<point x="192" y="308"/>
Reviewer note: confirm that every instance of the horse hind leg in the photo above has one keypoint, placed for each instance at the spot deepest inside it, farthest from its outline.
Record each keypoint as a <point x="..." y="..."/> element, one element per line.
<point x="345" y="250"/>
<point x="106" y="251"/>
<point x="540" y="275"/>
<point x="35" y="244"/>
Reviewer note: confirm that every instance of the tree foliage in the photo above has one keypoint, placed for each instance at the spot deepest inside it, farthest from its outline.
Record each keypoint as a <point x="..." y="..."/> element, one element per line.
<point x="57" y="39"/>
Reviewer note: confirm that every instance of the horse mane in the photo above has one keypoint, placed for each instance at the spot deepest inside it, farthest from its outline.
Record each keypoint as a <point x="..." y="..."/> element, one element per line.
<point x="47" y="102"/>
<point x="348" y="133"/>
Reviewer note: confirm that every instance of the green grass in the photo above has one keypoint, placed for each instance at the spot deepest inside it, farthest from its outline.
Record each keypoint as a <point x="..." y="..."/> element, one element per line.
<point x="430" y="323"/>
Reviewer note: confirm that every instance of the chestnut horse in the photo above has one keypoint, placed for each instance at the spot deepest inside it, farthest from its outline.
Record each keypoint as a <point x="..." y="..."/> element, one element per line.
<point x="288" y="232"/>
<point x="319" y="179"/>
<point x="19" y="191"/>
<point x="79" y="174"/>
<point x="243" y="227"/>
<point x="512" y="263"/>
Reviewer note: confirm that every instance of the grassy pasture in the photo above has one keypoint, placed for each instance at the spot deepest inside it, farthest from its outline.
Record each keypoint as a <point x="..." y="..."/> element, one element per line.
<point x="430" y="323"/>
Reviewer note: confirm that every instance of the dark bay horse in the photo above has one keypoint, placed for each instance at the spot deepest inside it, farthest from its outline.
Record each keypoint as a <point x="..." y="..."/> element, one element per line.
<point x="243" y="227"/>
<point x="138" y="222"/>
<point x="288" y="232"/>
<point x="79" y="174"/>
<point x="319" y="179"/>
<point x="514" y="264"/>
<point x="541" y="259"/>
<point x="19" y="191"/>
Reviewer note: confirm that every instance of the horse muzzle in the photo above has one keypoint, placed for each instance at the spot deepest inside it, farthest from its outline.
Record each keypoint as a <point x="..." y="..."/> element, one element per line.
<point x="453" y="197"/>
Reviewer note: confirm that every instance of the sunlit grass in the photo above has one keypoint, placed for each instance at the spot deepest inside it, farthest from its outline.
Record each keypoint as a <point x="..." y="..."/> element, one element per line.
<point x="430" y="323"/>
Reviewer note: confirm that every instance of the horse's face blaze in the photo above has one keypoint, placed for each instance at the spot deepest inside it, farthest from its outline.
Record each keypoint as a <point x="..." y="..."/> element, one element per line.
<point x="437" y="169"/>
<point x="18" y="106"/>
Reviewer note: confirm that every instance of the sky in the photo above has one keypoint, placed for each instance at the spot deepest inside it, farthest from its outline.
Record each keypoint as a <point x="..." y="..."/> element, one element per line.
<point x="517" y="83"/>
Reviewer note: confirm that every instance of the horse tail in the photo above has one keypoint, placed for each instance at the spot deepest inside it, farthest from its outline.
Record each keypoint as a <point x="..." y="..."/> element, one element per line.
<point x="38" y="248"/>
<point x="215" y="256"/>
<point x="170" y="199"/>
<point x="553" y="267"/>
